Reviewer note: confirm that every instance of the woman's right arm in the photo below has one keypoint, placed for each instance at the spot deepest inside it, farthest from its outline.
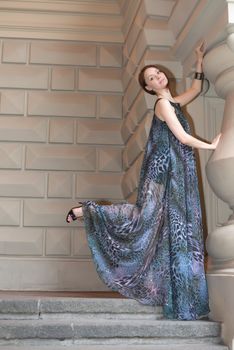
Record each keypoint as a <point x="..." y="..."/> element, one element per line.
<point x="167" y="114"/>
<point x="196" y="86"/>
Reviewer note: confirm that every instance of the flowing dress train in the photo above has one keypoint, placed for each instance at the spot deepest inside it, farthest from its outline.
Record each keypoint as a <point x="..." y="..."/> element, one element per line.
<point x="153" y="251"/>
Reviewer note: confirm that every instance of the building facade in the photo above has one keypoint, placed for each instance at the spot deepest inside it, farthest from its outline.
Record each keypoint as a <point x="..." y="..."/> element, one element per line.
<point x="74" y="121"/>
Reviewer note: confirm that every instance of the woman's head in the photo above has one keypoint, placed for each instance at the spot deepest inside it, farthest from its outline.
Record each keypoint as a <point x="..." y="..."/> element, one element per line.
<point x="152" y="79"/>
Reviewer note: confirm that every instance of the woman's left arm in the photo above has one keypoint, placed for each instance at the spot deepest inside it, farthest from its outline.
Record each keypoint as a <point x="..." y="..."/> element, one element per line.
<point x="196" y="86"/>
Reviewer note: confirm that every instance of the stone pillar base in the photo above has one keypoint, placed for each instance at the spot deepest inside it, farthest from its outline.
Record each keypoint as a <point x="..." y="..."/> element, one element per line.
<point x="221" y="287"/>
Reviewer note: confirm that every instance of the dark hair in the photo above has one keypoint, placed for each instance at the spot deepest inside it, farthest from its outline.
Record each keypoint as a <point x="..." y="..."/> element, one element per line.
<point x="141" y="78"/>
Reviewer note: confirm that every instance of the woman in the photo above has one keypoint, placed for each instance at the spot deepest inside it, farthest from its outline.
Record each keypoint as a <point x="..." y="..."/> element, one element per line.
<point x="153" y="251"/>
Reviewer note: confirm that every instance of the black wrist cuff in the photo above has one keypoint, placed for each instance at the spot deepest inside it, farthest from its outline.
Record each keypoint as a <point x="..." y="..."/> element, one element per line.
<point x="199" y="76"/>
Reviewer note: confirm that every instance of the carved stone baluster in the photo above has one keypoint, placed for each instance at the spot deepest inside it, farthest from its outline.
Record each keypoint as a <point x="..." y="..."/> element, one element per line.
<point x="219" y="69"/>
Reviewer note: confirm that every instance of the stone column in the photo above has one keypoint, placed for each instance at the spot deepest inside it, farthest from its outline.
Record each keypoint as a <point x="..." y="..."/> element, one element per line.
<point x="219" y="69"/>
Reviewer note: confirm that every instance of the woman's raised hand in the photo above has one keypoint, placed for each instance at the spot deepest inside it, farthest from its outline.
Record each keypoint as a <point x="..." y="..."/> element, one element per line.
<point x="200" y="51"/>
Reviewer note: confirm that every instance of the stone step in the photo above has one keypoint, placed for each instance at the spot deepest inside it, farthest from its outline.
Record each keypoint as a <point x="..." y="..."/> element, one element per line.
<point x="98" y="324"/>
<point x="88" y="330"/>
<point x="35" y="308"/>
<point x="122" y="347"/>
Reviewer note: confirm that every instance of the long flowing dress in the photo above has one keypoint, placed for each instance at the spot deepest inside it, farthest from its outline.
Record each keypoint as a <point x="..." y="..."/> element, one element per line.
<point x="153" y="251"/>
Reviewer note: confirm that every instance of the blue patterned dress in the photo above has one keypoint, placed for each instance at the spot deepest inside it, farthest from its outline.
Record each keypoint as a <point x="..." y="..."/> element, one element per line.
<point x="153" y="251"/>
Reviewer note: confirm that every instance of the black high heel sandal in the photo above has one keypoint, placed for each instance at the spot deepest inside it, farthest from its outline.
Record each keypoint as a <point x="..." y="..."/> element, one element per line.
<point x="72" y="215"/>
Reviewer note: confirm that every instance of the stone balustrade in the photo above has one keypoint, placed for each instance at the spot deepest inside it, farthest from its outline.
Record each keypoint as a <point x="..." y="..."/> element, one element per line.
<point x="219" y="68"/>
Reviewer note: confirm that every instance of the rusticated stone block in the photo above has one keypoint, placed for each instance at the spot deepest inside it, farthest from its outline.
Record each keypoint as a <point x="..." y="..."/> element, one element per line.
<point x="21" y="241"/>
<point x="63" y="53"/>
<point x="58" y="241"/>
<point x="134" y="117"/>
<point x="126" y="80"/>
<point x="157" y="36"/>
<point x="61" y="104"/>
<point x="61" y="130"/>
<point x="125" y="160"/>
<point x="46" y="212"/>
<point x="139" y="48"/>
<point x="23" y="129"/>
<point x="52" y="274"/>
<point x="130" y="124"/>
<point x="110" y="106"/>
<point x="133" y="149"/>
<point x="126" y="55"/>
<point x="57" y="157"/>
<point x="140" y="108"/>
<point x="63" y="78"/>
<point x="14" y="51"/>
<point x="100" y="79"/>
<point x="79" y="243"/>
<point x="128" y="73"/>
<point x="110" y="159"/>
<point x="99" y="132"/>
<point x="137" y="142"/>
<point x="99" y="186"/>
<point x="127" y="128"/>
<point x="9" y="212"/>
<point x="131" y="92"/>
<point x="133" y="33"/>
<point x="131" y="177"/>
<point x="125" y="108"/>
<point x="11" y="155"/>
<point x="111" y="56"/>
<point x="12" y="102"/>
<point x="60" y="185"/>
<point x="163" y="8"/>
<point x="24" y="77"/>
<point x="22" y="184"/>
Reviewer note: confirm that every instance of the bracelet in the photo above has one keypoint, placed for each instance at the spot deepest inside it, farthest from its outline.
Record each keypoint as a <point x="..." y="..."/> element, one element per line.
<point x="199" y="76"/>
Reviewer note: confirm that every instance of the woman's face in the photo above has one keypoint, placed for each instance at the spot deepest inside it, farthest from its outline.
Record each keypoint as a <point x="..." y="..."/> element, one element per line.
<point x="155" y="79"/>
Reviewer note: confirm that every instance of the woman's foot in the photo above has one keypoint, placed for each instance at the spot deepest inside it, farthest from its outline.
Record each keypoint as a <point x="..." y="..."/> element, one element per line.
<point x="74" y="214"/>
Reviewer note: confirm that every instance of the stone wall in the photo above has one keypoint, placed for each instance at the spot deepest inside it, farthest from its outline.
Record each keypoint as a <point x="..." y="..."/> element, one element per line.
<point x="66" y="81"/>
<point x="60" y="142"/>
<point x="148" y="40"/>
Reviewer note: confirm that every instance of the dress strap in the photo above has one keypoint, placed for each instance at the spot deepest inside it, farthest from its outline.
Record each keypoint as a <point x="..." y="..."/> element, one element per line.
<point x="157" y="102"/>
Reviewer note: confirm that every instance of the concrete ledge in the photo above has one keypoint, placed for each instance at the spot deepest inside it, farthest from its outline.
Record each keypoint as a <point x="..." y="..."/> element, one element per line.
<point x="60" y="307"/>
<point x="85" y="328"/>
<point x="123" y="347"/>
<point x="14" y="307"/>
<point x="95" y="305"/>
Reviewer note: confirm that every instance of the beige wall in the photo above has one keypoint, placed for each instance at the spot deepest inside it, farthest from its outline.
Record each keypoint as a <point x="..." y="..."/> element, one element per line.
<point x="158" y="34"/>
<point x="148" y="40"/>
<point x="67" y="80"/>
<point x="60" y="142"/>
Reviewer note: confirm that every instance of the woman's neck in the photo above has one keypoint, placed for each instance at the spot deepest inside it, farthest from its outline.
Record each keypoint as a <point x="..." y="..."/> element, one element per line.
<point x="165" y="94"/>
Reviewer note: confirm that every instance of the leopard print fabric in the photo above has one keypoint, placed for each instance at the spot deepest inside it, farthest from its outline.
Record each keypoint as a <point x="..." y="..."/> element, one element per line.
<point x="153" y="251"/>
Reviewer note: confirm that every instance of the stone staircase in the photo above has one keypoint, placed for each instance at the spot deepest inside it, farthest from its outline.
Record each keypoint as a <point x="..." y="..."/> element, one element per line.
<point x="58" y="323"/>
